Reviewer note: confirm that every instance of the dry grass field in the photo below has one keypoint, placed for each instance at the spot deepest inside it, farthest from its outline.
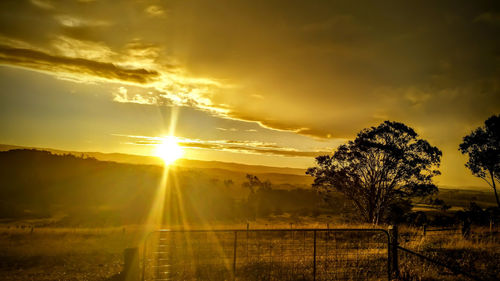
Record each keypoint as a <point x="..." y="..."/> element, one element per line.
<point x="63" y="253"/>
<point x="478" y="254"/>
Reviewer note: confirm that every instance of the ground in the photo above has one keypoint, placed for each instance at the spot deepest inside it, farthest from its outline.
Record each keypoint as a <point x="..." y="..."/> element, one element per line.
<point x="97" y="253"/>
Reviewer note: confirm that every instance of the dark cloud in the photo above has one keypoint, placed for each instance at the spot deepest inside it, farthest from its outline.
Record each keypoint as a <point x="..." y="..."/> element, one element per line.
<point x="332" y="68"/>
<point x="489" y="17"/>
<point x="42" y="61"/>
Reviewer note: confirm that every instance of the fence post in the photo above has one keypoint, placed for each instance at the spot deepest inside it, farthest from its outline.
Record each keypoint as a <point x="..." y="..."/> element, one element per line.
<point x="234" y="254"/>
<point x="425" y="229"/>
<point x="491" y="227"/>
<point x="144" y="252"/>
<point x="314" y="256"/>
<point x="393" y="230"/>
<point x="246" y="248"/>
<point x="131" y="267"/>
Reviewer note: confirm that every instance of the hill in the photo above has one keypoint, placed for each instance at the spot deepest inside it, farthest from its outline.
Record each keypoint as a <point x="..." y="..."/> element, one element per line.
<point x="151" y="160"/>
<point x="39" y="183"/>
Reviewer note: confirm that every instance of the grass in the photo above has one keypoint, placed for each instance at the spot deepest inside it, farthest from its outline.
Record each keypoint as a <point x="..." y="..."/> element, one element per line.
<point x="477" y="255"/>
<point x="63" y="253"/>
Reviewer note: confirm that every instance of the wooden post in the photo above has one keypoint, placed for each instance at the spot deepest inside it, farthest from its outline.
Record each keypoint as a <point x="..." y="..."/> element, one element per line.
<point x="248" y="228"/>
<point x="425" y="229"/>
<point x="491" y="230"/>
<point x="393" y="231"/>
<point x="234" y="254"/>
<point x="314" y="256"/>
<point x="131" y="267"/>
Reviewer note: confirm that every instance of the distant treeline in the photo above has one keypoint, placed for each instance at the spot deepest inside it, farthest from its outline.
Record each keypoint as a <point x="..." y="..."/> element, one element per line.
<point x="83" y="190"/>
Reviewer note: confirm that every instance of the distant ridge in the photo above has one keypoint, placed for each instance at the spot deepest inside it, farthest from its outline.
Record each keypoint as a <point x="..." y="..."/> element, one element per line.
<point x="150" y="160"/>
<point x="277" y="174"/>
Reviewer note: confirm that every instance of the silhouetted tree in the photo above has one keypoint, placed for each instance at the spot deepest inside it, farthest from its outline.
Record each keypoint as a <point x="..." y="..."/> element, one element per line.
<point x="483" y="147"/>
<point x="228" y="183"/>
<point x="420" y="219"/>
<point x="253" y="183"/>
<point x="383" y="166"/>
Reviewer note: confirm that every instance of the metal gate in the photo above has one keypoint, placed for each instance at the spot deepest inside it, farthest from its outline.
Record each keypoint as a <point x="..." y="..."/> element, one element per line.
<point x="267" y="254"/>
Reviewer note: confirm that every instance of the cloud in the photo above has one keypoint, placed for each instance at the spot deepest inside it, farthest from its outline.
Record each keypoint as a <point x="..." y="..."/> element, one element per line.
<point x="44" y="4"/>
<point x="122" y="95"/>
<point x="137" y="52"/>
<point x="291" y="126"/>
<point x="488" y="17"/>
<point x="74" y="67"/>
<point x="236" y="146"/>
<point x="71" y="21"/>
<point x="155" y="11"/>
<point x="70" y="47"/>
<point x="137" y="65"/>
<point x="134" y="62"/>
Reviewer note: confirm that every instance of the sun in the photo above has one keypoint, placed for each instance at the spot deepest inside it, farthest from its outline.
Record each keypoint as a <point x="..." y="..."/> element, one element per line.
<point x="169" y="150"/>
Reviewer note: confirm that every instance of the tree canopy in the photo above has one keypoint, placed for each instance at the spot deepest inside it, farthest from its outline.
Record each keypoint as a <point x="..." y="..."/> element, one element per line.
<point x="382" y="167"/>
<point x="483" y="148"/>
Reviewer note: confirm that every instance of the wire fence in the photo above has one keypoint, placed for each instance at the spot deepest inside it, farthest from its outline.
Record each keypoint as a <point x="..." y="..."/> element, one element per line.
<point x="322" y="254"/>
<point x="452" y="253"/>
<point x="414" y="238"/>
<point x="270" y="254"/>
<point x="416" y="266"/>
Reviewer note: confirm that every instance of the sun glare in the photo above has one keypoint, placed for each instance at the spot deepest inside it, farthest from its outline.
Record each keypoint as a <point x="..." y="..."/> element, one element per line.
<point x="169" y="150"/>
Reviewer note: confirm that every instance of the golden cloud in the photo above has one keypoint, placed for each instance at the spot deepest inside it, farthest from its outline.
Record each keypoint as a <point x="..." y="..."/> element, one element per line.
<point x="155" y="11"/>
<point x="141" y="64"/>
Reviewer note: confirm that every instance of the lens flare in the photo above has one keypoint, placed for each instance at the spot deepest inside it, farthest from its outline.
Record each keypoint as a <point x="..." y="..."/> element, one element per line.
<point x="169" y="150"/>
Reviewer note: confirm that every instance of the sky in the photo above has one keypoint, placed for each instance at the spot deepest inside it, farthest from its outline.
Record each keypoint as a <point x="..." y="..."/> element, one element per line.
<point x="257" y="82"/>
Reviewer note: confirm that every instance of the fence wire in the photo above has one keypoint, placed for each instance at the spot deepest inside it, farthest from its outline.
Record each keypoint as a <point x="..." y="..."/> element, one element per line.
<point x="413" y="238"/>
<point x="413" y="267"/>
<point x="299" y="254"/>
